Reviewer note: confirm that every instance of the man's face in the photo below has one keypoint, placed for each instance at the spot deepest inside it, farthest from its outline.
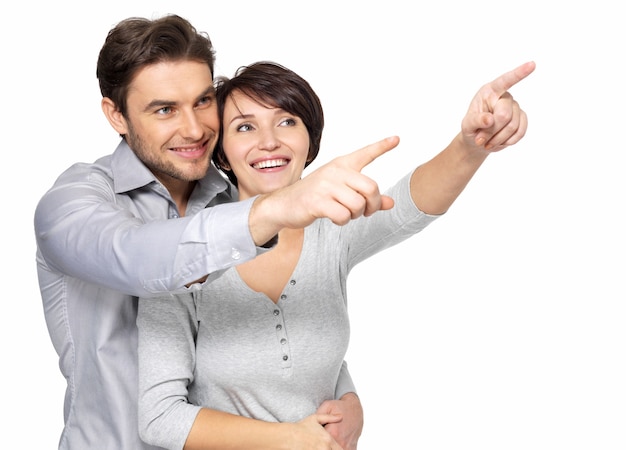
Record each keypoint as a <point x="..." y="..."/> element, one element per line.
<point x="172" y="121"/>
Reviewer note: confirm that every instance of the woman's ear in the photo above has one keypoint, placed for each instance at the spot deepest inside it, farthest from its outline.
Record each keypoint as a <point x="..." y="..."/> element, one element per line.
<point x="114" y="116"/>
<point x="221" y="162"/>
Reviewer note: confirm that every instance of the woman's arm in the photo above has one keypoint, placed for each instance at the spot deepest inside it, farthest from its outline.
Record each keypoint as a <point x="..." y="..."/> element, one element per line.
<point x="494" y="121"/>
<point x="222" y="431"/>
<point x="166" y="345"/>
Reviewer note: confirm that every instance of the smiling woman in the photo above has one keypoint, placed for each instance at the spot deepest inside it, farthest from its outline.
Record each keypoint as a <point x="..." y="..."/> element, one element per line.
<point x="256" y="110"/>
<point x="259" y="134"/>
<point x="261" y="345"/>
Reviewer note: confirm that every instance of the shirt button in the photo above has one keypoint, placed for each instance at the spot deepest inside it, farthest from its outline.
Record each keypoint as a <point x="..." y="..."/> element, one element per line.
<point x="234" y="253"/>
<point x="283" y="297"/>
<point x="276" y="312"/>
<point x="285" y="357"/>
<point x="292" y="282"/>
<point x="279" y="327"/>
<point x="283" y="341"/>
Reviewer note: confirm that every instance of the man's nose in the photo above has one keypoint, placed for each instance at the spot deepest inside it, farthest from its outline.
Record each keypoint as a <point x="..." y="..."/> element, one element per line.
<point x="191" y="126"/>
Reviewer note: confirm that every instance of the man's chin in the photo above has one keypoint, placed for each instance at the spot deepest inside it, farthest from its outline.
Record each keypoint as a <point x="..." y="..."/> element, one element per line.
<point x="196" y="172"/>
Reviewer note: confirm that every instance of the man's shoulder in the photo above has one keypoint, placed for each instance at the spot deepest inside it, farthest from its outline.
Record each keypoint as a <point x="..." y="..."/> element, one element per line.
<point x="84" y="171"/>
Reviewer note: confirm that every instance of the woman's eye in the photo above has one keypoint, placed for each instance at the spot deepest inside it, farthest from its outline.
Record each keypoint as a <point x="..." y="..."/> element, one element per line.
<point x="288" y="122"/>
<point x="244" y="127"/>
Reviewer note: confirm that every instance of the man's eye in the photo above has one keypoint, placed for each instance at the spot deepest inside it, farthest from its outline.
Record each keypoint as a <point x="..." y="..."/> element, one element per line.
<point x="205" y="101"/>
<point x="164" y="111"/>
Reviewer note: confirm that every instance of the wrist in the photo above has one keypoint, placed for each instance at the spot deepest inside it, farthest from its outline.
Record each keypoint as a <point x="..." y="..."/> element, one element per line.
<point x="263" y="226"/>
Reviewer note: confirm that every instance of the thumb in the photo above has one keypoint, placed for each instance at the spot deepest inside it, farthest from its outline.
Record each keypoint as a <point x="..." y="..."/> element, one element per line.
<point x="324" y="419"/>
<point x="386" y="202"/>
<point x="472" y="124"/>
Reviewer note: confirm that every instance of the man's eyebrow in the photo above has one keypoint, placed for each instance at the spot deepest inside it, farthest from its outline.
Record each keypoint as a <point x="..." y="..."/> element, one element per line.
<point x="159" y="103"/>
<point x="208" y="91"/>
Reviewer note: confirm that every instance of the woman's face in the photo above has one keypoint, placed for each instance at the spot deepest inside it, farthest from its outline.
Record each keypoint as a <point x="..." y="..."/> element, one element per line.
<point x="266" y="148"/>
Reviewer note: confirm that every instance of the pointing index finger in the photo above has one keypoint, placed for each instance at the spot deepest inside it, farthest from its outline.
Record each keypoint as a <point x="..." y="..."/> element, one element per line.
<point x="358" y="159"/>
<point x="505" y="82"/>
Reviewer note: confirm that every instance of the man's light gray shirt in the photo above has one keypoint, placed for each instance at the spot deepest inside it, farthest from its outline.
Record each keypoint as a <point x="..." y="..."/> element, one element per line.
<point x="107" y="233"/>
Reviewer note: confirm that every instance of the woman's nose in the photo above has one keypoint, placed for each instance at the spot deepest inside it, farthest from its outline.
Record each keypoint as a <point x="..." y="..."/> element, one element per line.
<point x="268" y="140"/>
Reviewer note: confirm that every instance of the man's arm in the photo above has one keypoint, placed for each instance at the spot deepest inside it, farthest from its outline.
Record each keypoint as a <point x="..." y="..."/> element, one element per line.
<point x="348" y="430"/>
<point x="347" y="404"/>
<point x="83" y="230"/>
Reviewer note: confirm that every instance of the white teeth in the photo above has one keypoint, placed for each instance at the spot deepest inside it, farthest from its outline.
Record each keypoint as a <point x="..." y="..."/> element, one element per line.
<point x="270" y="163"/>
<point x="185" y="150"/>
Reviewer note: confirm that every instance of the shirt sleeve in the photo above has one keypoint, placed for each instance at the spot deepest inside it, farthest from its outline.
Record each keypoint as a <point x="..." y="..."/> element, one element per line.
<point x="367" y="236"/>
<point x="166" y="347"/>
<point x="84" y="230"/>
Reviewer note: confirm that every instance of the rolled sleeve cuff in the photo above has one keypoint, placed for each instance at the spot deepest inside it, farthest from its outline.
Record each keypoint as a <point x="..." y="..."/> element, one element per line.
<point x="216" y="238"/>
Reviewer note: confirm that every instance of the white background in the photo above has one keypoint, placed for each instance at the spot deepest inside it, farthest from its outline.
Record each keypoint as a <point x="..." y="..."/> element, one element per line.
<point x="500" y="326"/>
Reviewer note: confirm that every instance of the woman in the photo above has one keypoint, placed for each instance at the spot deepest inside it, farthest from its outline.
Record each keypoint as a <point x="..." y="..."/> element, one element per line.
<point x="261" y="345"/>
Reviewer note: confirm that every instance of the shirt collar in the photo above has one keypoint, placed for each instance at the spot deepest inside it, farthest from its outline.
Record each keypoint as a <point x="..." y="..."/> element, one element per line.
<point x="130" y="173"/>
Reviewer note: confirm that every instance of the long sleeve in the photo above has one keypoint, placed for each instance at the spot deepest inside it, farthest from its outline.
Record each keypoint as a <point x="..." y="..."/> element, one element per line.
<point x="367" y="236"/>
<point x="93" y="227"/>
<point x="344" y="382"/>
<point x="167" y="331"/>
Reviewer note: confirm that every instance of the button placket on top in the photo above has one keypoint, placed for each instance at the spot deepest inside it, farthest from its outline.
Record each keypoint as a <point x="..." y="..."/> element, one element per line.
<point x="281" y="331"/>
<point x="281" y="337"/>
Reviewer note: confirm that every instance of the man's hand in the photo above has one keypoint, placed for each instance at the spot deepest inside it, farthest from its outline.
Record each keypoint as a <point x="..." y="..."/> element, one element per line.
<point x="347" y="431"/>
<point x="337" y="190"/>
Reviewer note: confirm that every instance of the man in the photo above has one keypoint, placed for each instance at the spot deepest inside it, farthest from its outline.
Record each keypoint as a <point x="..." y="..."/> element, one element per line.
<point x="156" y="216"/>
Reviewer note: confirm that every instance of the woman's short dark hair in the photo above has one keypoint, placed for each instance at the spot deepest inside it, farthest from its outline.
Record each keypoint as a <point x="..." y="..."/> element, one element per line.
<point x="275" y="86"/>
<point x="138" y="42"/>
